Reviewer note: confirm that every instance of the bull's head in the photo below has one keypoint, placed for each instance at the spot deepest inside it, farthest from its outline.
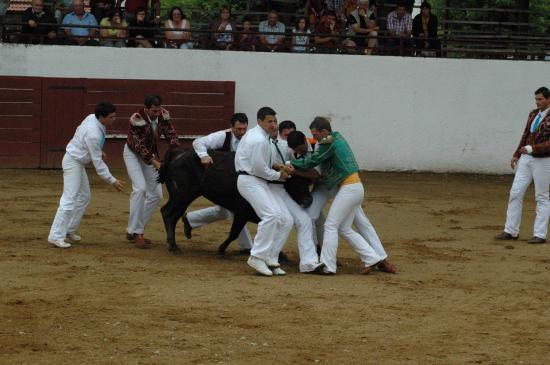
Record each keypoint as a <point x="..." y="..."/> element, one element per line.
<point x="298" y="189"/>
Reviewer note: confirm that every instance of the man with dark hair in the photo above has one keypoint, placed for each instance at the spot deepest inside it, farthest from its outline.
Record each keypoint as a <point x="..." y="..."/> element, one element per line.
<point x="327" y="34"/>
<point x="399" y="25"/>
<point x="281" y="154"/>
<point x="254" y="168"/>
<point x="340" y="172"/>
<point x="531" y="161"/>
<point x="142" y="160"/>
<point x="226" y="140"/>
<point x="86" y="146"/>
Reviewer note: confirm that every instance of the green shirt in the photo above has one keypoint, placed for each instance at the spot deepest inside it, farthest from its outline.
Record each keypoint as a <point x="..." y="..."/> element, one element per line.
<point x="335" y="157"/>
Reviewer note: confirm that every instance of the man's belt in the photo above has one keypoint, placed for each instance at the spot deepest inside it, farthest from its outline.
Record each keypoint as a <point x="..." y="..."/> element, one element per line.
<point x="268" y="181"/>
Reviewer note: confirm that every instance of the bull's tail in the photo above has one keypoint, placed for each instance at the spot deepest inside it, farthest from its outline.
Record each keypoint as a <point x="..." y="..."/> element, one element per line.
<point x="163" y="171"/>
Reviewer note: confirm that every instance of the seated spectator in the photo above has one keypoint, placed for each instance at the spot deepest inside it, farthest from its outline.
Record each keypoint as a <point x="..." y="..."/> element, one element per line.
<point x="425" y="26"/>
<point x="112" y="37"/>
<point x="39" y="24"/>
<point x="176" y="37"/>
<point x="400" y="25"/>
<point x="62" y="8"/>
<point x="4" y="5"/>
<point x="220" y="40"/>
<point x="361" y="22"/>
<point x="327" y="34"/>
<point x="101" y="8"/>
<point x="314" y="10"/>
<point x="247" y="40"/>
<point x="130" y="7"/>
<point x="80" y="36"/>
<point x="300" y="43"/>
<point x="141" y="38"/>
<point x="271" y="42"/>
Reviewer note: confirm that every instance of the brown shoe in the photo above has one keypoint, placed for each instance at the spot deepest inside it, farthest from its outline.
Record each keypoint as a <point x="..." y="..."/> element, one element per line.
<point x="368" y="269"/>
<point x="386" y="266"/>
<point x="139" y="241"/>
<point x="131" y="237"/>
<point x="505" y="236"/>
<point x="536" y="240"/>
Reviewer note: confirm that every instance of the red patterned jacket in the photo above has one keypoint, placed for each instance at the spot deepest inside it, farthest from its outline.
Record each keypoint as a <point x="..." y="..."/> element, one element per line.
<point x="143" y="140"/>
<point x="540" y="140"/>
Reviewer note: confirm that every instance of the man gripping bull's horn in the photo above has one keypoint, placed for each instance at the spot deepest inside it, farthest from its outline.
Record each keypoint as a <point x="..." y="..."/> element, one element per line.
<point x="228" y="141"/>
<point x="254" y="168"/>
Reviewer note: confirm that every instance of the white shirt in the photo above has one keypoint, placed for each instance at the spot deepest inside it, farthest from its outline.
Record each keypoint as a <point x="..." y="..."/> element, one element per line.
<point x="214" y="141"/>
<point x="87" y="146"/>
<point x="254" y="155"/>
<point x="283" y="148"/>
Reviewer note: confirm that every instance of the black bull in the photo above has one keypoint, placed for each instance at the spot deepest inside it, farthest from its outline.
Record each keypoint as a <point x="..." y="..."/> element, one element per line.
<point x="186" y="179"/>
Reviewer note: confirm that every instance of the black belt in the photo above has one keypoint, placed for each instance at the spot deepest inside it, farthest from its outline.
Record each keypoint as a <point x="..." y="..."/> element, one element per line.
<point x="268" y="181"/>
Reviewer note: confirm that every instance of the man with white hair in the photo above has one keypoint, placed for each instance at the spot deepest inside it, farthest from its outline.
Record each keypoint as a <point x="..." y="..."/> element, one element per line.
<point x="80" y="36"/>
<point x="362" y="28"/>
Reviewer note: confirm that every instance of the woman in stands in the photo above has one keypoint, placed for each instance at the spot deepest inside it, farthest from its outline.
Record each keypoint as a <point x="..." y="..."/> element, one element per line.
<point x="300" y="43"/>
<point x="141" y="38"/>
<point x="176" y="37"/>
<point x="112" y="37"/>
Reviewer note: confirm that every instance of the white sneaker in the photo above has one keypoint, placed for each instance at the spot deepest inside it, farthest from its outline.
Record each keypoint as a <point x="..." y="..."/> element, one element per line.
<point x="278" y="272"/>
<point x="272" y="264"/>
<point x="59" y="243"/>
<point x="74" y="237"/>
<point x="314" y="268"/>
<point x="259" y="265"/>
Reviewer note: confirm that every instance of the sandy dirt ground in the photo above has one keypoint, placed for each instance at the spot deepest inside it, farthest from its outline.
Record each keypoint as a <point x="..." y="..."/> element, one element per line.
<point x="459" y="296"/>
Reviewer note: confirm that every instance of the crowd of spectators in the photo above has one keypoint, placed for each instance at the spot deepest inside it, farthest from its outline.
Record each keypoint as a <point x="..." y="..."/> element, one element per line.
<point x="329" y="26"/>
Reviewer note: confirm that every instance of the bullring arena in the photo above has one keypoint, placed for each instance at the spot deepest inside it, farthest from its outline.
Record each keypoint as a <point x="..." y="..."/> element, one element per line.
<point x="459" y="296"/>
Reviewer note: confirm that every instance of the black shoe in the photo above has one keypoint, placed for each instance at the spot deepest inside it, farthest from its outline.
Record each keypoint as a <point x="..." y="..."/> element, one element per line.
<point x="505" y="236"/>
<point x="536" y="240"/>
<point x="186" y="226"/>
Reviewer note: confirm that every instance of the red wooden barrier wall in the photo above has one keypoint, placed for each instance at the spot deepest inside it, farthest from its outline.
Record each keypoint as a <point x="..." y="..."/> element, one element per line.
<point x="38" y="116"/>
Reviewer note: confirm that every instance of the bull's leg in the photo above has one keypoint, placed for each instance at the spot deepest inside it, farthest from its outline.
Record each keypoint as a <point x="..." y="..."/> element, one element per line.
<point x="236" y="228"/>
<point x="171" y="212"/>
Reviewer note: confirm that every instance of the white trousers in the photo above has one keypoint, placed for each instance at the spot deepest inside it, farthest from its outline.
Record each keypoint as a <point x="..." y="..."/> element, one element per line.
<point x="146" y="191"/>
<point x="73" y="202"/>
<point x="361" y="221"/>
<point x="339" y="220"/>
<point x="530" y="169"/>
<point x="275" y="219"/>
<point x="201" y="217"/>
<point x="304" y="227"/>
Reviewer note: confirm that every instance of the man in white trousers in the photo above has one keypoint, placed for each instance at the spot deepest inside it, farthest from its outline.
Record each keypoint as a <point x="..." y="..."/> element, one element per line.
<point x="281" y="154"/>
<point x="226" y="140"/>
<point x="142" y="160"/>
<point x="302" y="147"/>
<point x="86" y="146"/>
<point x="340" y="171"/>
<point x="254" y="169"/>
<point x="531" y="160"/>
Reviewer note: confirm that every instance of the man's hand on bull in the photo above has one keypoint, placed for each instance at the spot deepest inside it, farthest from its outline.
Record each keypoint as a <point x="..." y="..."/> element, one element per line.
<point x="284" y="175"/>
<point x="290" y="169"/>
<point x="207" y="161"/>
<point x="156" y="164"/>
<point x="118" y="185"/>
<point x="278" y="166"/>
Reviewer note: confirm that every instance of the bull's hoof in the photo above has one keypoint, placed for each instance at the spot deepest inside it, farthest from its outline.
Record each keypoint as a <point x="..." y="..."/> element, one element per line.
<point x="186" y="227"/>
<point x="221" y="252"/>
<point x="283" y="258"/>
<point x="244" y="252"/>
<point x="174" y="249"/>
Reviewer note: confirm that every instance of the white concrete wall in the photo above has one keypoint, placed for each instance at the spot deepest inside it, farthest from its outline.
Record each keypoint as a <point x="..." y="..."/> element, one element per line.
<point x="398" y="113"/>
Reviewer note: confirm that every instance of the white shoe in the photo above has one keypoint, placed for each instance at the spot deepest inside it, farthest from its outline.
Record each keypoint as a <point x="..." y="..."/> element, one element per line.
<point x="59" y="243"/>
<point x="272" y="264"/>
<point x="278" y="272"/>
<point x="74" y="237"/>
<point x="314" y="268"/>
<point x="259" y="265"/>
